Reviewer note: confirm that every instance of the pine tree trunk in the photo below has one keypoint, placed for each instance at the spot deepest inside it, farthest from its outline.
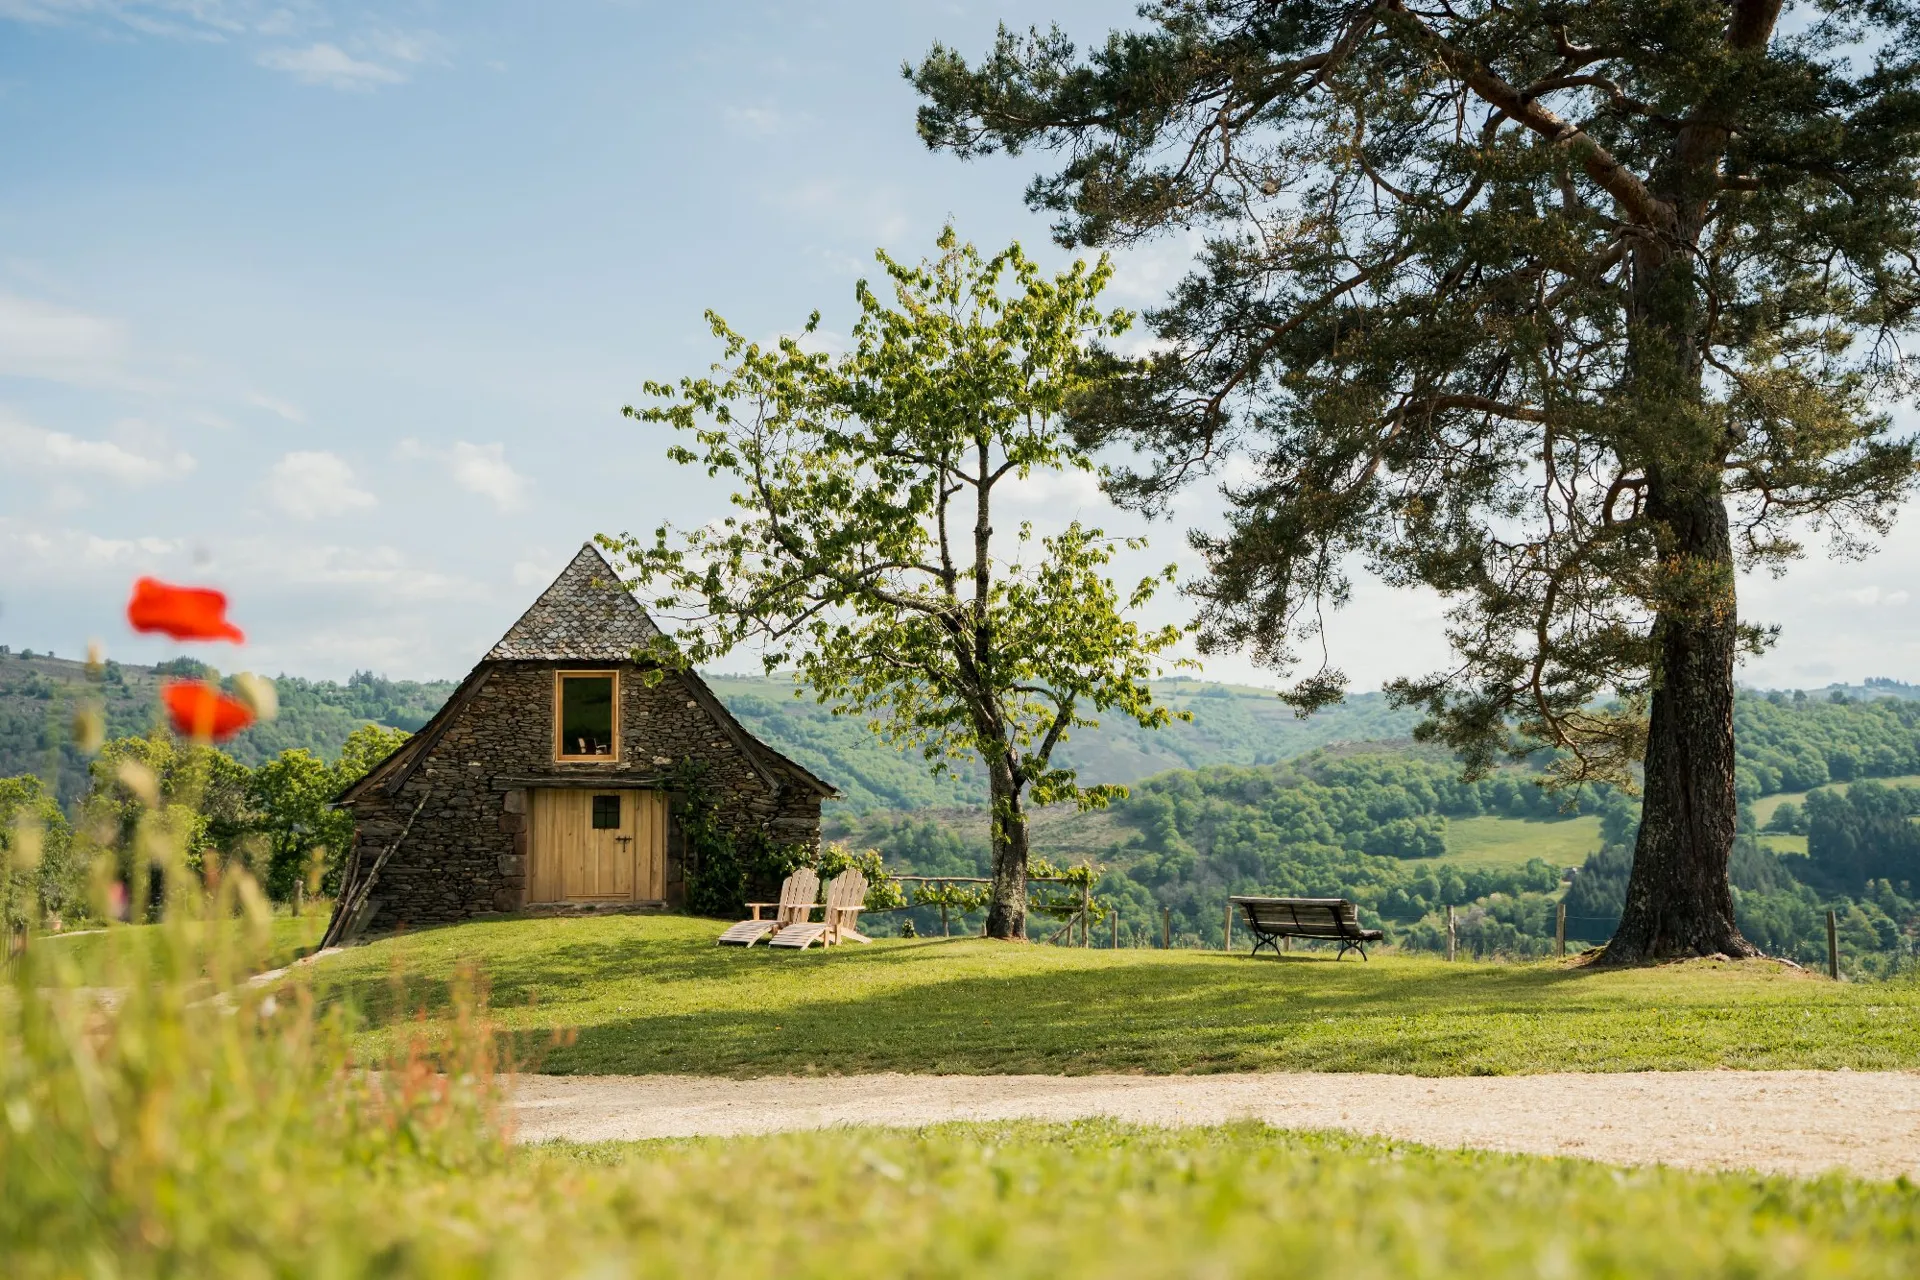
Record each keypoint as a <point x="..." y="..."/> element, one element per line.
<point x="1678" y="900"/>
<point x="1007" y="912"/>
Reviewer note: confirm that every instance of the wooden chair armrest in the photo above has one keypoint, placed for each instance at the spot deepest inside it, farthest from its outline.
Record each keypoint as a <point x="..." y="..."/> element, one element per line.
<point x="757" y="905"/>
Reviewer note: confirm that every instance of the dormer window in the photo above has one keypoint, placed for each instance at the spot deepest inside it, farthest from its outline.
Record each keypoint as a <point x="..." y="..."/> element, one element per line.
<point x="586" y="716"/>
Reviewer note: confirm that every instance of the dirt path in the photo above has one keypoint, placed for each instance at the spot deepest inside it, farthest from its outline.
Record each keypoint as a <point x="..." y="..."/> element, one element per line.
<point x="1794" y="1122"/>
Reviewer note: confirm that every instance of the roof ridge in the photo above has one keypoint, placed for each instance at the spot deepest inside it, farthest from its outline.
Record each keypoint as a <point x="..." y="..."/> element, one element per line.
<point x="586" y="613"/>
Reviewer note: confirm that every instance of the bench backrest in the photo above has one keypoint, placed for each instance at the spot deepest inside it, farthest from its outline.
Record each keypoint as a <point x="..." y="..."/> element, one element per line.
<point x="797" y="895"/>
<point x="1303" y="917"/>
<point x="846" y="898"/>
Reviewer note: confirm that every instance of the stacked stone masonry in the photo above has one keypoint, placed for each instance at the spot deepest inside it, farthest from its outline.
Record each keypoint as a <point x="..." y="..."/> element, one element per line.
<point x="466" y="852"/>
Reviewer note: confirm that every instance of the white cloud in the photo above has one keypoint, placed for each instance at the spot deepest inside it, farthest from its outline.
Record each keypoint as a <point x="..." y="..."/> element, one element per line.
<point x="39" y="340"/>
<point x="762" y="122"/>
<point x="27" y="446"/>
<point x="406" y="46"/>
<point x="1874" y="595"/>
<point x="482" y="469"/>
<point x="307" y="485"/>
<point x="330" y="65"/>
<point x="291" y="412"/>
<point x="184" y="19"/>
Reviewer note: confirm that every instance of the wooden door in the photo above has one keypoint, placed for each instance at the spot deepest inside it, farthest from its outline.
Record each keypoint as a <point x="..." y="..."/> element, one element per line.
<point x="598" y="846"/>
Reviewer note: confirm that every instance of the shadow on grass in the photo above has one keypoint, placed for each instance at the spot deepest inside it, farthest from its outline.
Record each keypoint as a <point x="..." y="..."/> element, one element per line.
<point x="663" y="998"/>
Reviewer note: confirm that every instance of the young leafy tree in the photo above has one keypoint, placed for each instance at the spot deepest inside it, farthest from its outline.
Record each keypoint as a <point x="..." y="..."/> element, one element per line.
<point x="1567" y="310"/>
<point x="866" y="552"/>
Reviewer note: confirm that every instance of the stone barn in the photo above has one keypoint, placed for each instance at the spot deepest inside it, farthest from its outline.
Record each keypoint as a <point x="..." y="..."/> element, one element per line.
<point x="545" y="782"/>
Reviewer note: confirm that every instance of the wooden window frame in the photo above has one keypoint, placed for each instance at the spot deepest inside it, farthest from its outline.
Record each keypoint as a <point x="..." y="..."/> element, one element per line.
<point x="559" y="706"/>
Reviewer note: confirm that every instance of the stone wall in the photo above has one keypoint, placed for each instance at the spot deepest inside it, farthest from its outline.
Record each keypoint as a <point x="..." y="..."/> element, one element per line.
<point x="466" y="851"/>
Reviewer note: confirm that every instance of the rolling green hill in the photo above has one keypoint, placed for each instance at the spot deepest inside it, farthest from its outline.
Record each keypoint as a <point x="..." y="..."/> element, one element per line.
<point x="39" y="695"/>
<point x="1232" y="724"/>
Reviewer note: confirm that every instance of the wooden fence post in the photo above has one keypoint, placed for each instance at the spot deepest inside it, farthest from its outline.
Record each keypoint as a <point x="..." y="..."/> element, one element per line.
<point x="946" y="928"/>
<point x="1086" y="913"/>
<point x="1560" y="930"/>
<point x="1115" y="918"/>
<point x="1166" y="928"/>
<point x="1227" y="933"/>
<point x="1452" y="938"/>
<point x="1833" y="946"/>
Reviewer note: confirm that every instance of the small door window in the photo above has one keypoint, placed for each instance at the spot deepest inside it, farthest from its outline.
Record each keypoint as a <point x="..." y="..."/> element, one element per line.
<point x="606" y="813"/>
<point x="587" y="719"/>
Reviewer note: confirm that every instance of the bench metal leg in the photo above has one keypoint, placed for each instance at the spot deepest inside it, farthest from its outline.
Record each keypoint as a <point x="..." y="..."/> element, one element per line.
<point x="1268" y="940"/>
<point x="1346" y="946"/>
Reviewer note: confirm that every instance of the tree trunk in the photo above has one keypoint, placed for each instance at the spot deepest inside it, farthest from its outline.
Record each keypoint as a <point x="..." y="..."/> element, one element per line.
<point x="1007" y="913"/>
<point x="1678" y="900"/>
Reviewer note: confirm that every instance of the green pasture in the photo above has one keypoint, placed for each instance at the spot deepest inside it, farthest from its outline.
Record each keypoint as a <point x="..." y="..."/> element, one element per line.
<point x="647" y="994"/>
<point x="1763" y="807"/>
<point x="1562" y="842"/>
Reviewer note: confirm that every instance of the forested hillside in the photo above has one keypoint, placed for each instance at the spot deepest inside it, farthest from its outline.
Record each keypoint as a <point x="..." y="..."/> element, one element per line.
<point x="1400" y="833"/>
<point x="39" y="695"/>
<point x="1232" y="724"/>
<point x="1246" y="798"/>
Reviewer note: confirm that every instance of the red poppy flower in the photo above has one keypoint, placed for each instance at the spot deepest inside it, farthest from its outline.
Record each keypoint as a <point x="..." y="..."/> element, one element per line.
<point x="185" y="613"/>
<point x="199" y="710"/>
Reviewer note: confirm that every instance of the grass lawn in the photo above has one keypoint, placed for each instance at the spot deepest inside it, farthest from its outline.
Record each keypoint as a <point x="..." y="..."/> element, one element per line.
<point x="91" y="949"/>
<point x="1763" y="807"/>
<point x="1100" y="1199"/>
<point x="1782" y="843"/>
<point x="1564" y="842"/>
<point x="645" y="994"/>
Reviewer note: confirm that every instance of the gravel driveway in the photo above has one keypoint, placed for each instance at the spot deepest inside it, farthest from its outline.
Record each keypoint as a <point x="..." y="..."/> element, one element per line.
<point x="1793" y="1122"/>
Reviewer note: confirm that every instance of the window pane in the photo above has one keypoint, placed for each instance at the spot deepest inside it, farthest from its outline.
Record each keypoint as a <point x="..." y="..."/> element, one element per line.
<point x="606" y="813"/>
<point x="586" y="716"/>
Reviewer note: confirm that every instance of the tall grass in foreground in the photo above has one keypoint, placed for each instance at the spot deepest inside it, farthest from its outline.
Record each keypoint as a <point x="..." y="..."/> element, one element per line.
<point x="159" y="1114"/>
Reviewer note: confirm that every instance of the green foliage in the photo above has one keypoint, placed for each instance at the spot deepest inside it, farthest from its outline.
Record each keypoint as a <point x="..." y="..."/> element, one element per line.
<point x="291" y="796"/>
<point x="41" y="873"/>
<point x="274" y="820"/>
<point x="1862" y="862"/>
<point x="194" y="795"/>
<point x="1211" y="724"/>
<point x="726" y="866"/>
<point x="1364" y="827"/>
<point x="1863" y="834"/>
<point x="1452" y="249"/>
<point x="1789" y="745"/>
<point x="39" y="696"/>
<point x="863" y="553"/>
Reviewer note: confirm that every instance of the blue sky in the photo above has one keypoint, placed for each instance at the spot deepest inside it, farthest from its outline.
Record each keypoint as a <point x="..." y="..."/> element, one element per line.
<point x="336" y="306"/>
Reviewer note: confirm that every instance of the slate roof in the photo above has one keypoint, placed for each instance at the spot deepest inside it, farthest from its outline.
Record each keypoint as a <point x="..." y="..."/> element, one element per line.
<point x="585" y="615"/>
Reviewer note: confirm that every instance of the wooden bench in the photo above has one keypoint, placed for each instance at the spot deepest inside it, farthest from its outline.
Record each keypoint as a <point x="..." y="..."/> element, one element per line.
<point x="1332" y="919"/>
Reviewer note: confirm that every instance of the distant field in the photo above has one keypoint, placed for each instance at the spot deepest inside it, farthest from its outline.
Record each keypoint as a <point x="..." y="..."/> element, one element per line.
<point x="1563" y="843"/>
<point x="1065" y="835"/>
<point x="640" y="994"/>
<point x="1763" y="807"/>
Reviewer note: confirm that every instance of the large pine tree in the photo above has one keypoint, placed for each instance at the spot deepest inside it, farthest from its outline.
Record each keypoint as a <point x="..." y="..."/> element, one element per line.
<point x="1567" y="310"/>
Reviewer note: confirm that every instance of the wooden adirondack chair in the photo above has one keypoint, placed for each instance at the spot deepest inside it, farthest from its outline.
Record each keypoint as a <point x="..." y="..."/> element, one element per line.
<point x="846" y="898"/>
<point x="797" y="894"/>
